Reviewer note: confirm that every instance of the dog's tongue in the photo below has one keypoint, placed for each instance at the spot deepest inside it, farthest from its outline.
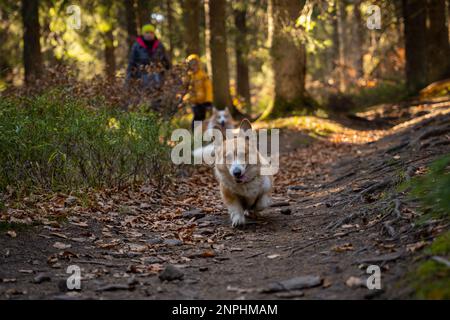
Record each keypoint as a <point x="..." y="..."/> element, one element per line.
<point x="241" y="179"/>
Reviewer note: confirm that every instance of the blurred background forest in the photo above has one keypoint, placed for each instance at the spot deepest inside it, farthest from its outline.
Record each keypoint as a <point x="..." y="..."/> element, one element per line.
<point x="340" y="55"/>
<point x="63" y="66"/>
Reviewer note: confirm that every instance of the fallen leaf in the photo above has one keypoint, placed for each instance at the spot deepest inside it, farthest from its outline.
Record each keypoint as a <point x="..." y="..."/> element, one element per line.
<point x="11" y="233"/>
<point x="343" y="248"/>
<point x="238" y="290"/>
<point x="61" y="246"/>
<point x="349" y="226"/>
<point x="413" y="247"/>
<point x="138" y="247"/>
<point x="354" y="282"/>
<point x="326" y="283"/>
<point x="80" y="224"/>
<point x="145" y="206"/>
<point x="14" y="291"/>
<point x="155" y="268"/>
<point x="273" y="256"/>
<point x="340" y="234"/>
<point x="219" y="247"/>
<point x="26" y="271"/>
<point x="208" y="254"/>
<point x="59" y="235"/>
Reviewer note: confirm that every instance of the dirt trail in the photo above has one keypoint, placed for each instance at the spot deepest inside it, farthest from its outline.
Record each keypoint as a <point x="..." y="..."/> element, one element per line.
<point x="337" y="211"/>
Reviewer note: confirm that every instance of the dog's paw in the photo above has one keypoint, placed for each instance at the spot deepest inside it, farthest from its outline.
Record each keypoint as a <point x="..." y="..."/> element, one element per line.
<point x="237" y="219"/>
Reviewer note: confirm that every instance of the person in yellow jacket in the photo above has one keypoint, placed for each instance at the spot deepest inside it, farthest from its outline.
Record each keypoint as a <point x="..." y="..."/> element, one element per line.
<point x="200" y="94"/>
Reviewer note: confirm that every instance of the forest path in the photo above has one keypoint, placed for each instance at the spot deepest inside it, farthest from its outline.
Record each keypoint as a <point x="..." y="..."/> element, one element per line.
<point x="336" y="212"/>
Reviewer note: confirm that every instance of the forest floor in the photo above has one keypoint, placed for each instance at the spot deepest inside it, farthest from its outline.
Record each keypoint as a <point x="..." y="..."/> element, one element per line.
<point x="337" y="209"/>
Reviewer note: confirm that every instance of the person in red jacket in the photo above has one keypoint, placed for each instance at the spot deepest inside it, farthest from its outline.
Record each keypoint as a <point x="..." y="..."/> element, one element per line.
<point x="147" y="51"/>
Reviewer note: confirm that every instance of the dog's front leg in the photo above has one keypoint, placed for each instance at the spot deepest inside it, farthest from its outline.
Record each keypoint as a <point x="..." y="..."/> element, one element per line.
<point x="237" y="213"/>
<point x="235" y="208"/>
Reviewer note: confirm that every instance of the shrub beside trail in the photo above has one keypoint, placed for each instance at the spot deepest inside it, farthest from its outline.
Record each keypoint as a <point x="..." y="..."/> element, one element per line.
<point x="58" y="142"/>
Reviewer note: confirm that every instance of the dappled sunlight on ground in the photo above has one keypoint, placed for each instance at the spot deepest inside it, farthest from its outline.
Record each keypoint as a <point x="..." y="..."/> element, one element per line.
<point x="333" y="131"/>
<point x="321" y="128"/>
<point x="313" y="125"/>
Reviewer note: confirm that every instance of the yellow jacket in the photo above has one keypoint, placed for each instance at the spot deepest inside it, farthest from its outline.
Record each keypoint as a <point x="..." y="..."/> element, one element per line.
<point x="200" y="88"/>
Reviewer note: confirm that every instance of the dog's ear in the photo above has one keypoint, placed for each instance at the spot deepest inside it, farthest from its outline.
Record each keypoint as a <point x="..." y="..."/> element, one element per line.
<point x="214" y="110"/>
<point x="245" y="125"/>
<point x="227" y="111"/>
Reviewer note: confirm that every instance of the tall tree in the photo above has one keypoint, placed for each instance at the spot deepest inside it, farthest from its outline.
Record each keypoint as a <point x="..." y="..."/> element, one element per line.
<point x="414" y="16"/>
<point x="110" y="55"/>
<point x="288" y="56"/>
<point x="438" y="42"/>
<point x="340" y="16"/>
<point x="191" y="21"/>
<point x="144" y="11"/>
<point x="130" y="13"/>
<point x="170" y="27"/>
<point x="241" y="48"/>
<point x="32" y="56"/>
<point x="359" y="39"/>
<point x="335" y="48"/>
<point x="107" y="10"/>
<point x="219" y="57"/>
<point x="207" y="35"/>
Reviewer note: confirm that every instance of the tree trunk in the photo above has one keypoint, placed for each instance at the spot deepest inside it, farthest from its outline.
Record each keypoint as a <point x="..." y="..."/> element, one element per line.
<point x="170" y="27"/>
<point x="359" y="40"/>
<point x="130" y="13"/>
<point x="414" y="14"/>
<point x="144" y="11"/>
<point x="32" y="56"/>
<point x="438" y="42"/>
<point x="110" y="56"/>
<point x="288" y="56"/>
<point x="191" y="21"/>
<point x="241" y="48"/>
<point x="207" y="36"/>
<point x="336" y="45"/>
<point x="219" y="57"/>
<point x="340" y="15"/>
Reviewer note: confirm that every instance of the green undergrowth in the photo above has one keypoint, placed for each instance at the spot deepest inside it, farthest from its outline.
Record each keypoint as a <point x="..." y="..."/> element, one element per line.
<point x="59" y="142"/>
<point x="430" y="278"/>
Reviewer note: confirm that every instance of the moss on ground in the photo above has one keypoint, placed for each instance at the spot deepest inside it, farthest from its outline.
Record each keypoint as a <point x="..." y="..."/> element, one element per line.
<point x="431" y="279"/>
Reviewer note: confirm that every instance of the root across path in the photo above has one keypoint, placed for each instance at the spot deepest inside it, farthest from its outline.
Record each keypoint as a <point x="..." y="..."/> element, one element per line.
<point x="337" y="210"/>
